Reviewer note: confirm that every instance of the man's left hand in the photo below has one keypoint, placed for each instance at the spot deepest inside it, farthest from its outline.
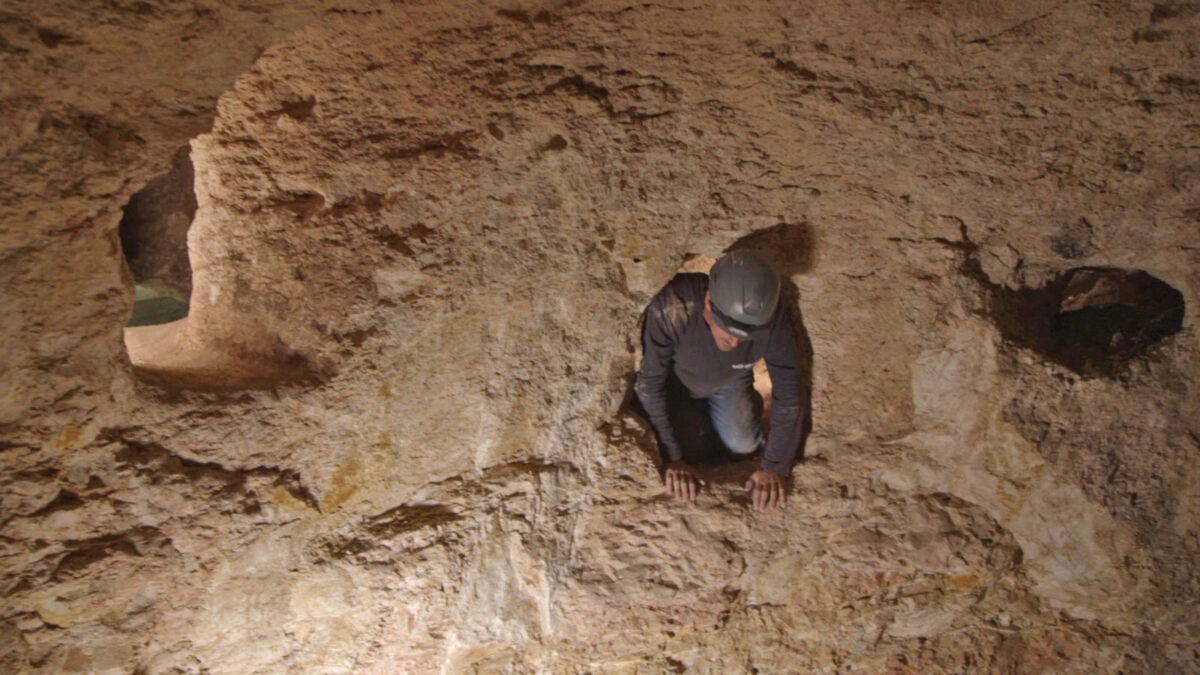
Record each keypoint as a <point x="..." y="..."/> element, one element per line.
<point x="766" y="489"/>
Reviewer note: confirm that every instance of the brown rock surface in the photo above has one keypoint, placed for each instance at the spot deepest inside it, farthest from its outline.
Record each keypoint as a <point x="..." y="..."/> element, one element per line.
<point x="392" y="434"/>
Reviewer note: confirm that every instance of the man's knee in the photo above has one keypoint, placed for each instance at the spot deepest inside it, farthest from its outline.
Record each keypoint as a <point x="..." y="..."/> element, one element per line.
<point x="744" y="443"/>
<point x="737" y="420"/>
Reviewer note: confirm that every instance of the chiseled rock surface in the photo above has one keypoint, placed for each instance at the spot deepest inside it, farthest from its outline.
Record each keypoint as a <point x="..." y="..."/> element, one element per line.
<point x="392" y="435"/>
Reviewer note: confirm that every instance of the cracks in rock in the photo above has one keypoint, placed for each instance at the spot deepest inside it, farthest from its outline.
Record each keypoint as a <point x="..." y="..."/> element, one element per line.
<point x="161" y="465"/>
<point x="877" y="103"/>
<point x="503" y="473"/>
<point x="14" y="445"/>
<point x="351" y="11"/>
<point x="1165" y="13"/>
<point x="792" y="68"/>
<point x="406" y="518"/>
<point x="454" y="143"/>
<point x="579" y="86"/>
<point x="987" y="39"/>
<point x="438" y="519"/>
<point x="106" y="137"/>
<point x="391" y="525"/>
<point x="83" y="553"/>
<point x="53" y="38"/>
<point x="298" y="109"/>
<point x="1173" y="10"/>
<point x="1181" y="85"/>
<point x="521" y="16"/>
<point x="411" y="241"/>
<point x="51" y="549"/>
<point x="857" y="277"/>
<point x="71" y="559"/>
<point x="302" y="203"/>
<point x="955" y="244"/>
<point x="65" y="500"/>
<point x="649" y="5"/>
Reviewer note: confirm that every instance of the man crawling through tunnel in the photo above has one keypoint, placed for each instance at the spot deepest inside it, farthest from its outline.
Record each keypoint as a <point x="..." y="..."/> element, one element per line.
<point x="703" y="334"/>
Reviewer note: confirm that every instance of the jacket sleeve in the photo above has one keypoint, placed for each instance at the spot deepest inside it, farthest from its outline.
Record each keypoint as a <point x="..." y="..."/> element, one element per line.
<point x="659" y="338"/>
<point x="789" y="401"/>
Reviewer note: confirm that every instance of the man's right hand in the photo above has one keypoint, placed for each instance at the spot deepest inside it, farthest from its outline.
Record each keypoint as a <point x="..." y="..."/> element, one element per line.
<point x="681" y="481"/>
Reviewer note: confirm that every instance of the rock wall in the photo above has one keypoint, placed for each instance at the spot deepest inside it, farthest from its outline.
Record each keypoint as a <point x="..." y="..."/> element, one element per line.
<point x="393" y="433"/>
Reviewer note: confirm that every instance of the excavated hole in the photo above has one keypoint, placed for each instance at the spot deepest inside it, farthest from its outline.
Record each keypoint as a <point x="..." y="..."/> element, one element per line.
<point x="713" y="452"/>
<point x="159" y="339"/>
<point x="791" y="248"/>
<point x="1093" y="320"/>
<point x="153" y="234"/>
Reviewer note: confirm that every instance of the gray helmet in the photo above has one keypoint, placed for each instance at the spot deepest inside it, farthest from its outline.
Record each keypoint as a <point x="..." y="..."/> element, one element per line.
<point x="745" y="292"/>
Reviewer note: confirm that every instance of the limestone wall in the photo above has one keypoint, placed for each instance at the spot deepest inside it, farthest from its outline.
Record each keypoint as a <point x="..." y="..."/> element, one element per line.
<point x="393" y="433"/>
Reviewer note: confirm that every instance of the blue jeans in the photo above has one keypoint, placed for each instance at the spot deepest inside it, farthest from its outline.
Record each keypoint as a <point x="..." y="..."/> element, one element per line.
<point x="728" y="421"/>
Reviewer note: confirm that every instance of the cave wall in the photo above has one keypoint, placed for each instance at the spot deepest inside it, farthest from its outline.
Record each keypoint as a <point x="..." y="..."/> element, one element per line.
<point x="392" y="433"/>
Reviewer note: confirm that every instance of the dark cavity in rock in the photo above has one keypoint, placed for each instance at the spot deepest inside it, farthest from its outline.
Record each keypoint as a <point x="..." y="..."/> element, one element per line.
<point x="1093" y="320"/>
<point x="153" y="234"/>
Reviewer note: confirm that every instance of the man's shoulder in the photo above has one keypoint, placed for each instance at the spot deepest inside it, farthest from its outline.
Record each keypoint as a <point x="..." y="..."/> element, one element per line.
<point x="678" y="300"/>
<point x="688" y="286"/>
<point x="685" y="289"/>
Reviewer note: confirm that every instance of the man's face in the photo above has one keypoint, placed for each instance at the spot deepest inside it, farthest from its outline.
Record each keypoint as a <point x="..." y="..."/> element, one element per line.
<point x="725" y="341"/>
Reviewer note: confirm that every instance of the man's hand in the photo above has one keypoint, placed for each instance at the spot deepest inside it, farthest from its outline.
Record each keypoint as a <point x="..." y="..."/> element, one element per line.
<point x="766" y="490"/>
<point x="681" y="481"/>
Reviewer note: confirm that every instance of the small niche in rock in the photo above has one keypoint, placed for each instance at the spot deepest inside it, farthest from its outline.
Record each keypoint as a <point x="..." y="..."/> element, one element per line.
<point x="165" y="344"/>
<point x="153" y="234"/>
<point x="1093" y="320"/>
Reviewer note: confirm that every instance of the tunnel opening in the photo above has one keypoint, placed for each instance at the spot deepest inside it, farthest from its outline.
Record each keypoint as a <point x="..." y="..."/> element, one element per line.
<point x="690" y="417"/>
<point x="169" y="344"/>
<point x="790" y="248"/>
<point x="700" y="441"/>
<point x="153" y="232"/>
<point x="1092" y="320"/>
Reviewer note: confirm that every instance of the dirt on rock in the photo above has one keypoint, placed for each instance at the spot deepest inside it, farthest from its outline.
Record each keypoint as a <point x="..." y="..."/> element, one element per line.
<point x="393" y="433"/>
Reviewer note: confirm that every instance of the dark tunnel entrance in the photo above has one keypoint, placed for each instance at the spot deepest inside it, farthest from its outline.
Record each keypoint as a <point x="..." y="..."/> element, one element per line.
<point x="153" y="233"/>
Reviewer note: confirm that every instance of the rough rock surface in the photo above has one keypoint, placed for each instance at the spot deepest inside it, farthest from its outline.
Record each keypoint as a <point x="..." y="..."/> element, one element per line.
<point x="392" y="435"/>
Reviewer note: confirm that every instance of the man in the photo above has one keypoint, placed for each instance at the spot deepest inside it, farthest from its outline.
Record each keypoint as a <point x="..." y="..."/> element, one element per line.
<point x="702" y="337"/>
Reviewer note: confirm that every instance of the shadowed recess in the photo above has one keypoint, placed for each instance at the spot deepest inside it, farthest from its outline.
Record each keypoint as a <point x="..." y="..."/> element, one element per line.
<point x="153" y="234"/>
<point x="1093" y="320"/>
